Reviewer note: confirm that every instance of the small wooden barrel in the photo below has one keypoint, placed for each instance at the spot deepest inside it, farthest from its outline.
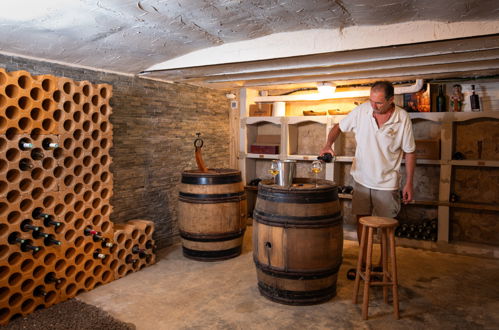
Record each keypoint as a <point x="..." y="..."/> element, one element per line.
<point x="297" y="241"/>
<point x="212" y="214"/>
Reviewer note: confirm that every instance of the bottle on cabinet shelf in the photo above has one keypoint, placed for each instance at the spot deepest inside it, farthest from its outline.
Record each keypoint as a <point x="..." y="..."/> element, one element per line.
<point x="27" y="225"/>
<point x="474" y="100"/>
<point x="99" y="255"/>
<point x="51" y="278"/>
<point x="47" y="222"/>
<point x="50" y="240"/>
<point x="141" y="252"/>
<point x="38" y="214"/>
<point x="106" y="244"/>
<point x="40" y="234"/>
<point x="25" y="164"/>
<point x="441" y="101"/>
<point x="39" y="291"/>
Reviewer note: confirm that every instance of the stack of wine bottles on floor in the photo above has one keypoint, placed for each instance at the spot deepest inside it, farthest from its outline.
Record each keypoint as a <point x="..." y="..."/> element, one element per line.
<point x="56" y="237"/>
<point x="426" y="230"/>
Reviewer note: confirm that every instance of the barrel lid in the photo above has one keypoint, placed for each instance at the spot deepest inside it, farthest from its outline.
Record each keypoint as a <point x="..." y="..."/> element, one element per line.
<point x="212" y="177"/>
<point x="300" y="185"/>
<point x="212" y="172"/>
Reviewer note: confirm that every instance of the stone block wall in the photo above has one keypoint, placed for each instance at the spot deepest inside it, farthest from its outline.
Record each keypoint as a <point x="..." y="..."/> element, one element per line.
<point x="154" y="126"/>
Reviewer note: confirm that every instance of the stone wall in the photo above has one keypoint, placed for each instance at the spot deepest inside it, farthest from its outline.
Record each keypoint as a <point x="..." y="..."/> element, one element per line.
<point x="154" y="128"/>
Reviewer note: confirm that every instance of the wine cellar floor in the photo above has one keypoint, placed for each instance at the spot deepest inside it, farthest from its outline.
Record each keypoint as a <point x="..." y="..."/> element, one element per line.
<point x="437" y="291"/>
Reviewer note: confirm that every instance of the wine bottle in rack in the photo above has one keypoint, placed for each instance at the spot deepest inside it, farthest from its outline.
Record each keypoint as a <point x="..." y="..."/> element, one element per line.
<point x="141" y="252"/>
<point x="39" y="291"/>
<point x="38" y="214"/>
<point x="25" y="144"/>
<point x="130" y="260"/>
<point x="98" y="254"/>
<point x="47" y="144"/>
<point x="40" y="234"/>
<point x="50" y="240"/>
<point x="149" y="245"/>
<point x="106" y="244"/>
<point x="27" y="225"/>
<point x="37" y="154"/>
<point x="51" y="278"/>
<point x="15" y="238"/>
<point x="25" y="164"/>
<point x="95" y="235"/>
<point x="48" y="221"/>
<point x="28" y="246"/>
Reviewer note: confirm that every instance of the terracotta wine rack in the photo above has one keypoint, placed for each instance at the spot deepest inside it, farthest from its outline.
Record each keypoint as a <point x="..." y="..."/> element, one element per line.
<point x="70" y="182"/>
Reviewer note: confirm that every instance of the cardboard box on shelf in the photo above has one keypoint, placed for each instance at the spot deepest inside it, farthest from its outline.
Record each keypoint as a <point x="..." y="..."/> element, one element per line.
<point x="428" y="149"/>
<point x="260" y="110"/>
<point x="266" y="144"/>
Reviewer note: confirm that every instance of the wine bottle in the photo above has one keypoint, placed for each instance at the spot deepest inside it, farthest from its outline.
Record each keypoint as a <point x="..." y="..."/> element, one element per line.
<point x="40" y="234"/>
<point x="47" y="144"/>
<point x="98" y="255"/>
<point x="149" y="245"/>
<point x="95" y="235"/>
<point x="25" y="144"/>
<point x="36" y="154"/>
<point x="39" y="291"/>
<point x="441" y="102"/>
<point x="27" y="225"/>
<point x="106" y="244"/>
<point x="25" y="164"/>
<point x="50" y="278"/>
<point x="50" y="240"/>
<point x="15" y="238"/>
<point x="130" y="260"/>
<point x="474" y="100"/>
<point x="27" y="246"/>
<point x="326" y="158"/>
<point x="38" y="214"/>
<point x="141" y="252"/>
<point x="47" y="221"/>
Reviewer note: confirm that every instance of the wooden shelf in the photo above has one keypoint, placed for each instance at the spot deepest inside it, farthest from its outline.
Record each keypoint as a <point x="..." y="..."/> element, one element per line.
<point x="453" y="116"/>
<point x="475" y="206"/>
<point x="423" y="202"/>
<point x="475" y="163"/>
<point x="345" y="196"/>
<point x="262" y="156"/>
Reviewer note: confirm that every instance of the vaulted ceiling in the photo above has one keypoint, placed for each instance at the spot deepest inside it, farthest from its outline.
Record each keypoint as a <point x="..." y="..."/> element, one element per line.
<point x="134" y="36"/>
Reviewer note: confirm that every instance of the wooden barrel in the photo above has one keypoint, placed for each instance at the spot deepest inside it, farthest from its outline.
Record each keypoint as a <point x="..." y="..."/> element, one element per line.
<point x="297" y="241"/>
<point x="212" y="214"/>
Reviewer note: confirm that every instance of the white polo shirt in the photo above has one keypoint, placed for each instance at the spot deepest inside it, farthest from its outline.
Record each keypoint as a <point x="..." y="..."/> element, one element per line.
<point x="379" y="151"/>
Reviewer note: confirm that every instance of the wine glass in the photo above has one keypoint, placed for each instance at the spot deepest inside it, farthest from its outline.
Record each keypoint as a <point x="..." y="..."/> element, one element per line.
<point x="316" y="169"/>
<point x="274" y="169"/>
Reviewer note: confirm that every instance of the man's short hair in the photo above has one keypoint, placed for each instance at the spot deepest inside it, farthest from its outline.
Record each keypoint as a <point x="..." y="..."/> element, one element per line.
<point x="385" y="86"/>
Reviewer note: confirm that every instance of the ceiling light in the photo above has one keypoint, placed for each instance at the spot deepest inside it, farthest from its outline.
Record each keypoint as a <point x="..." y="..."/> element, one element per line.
<point x="326" y="88"/>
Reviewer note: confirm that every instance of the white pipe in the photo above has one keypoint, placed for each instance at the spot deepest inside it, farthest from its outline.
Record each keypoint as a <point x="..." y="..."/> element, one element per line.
<point x="416" y="87"/>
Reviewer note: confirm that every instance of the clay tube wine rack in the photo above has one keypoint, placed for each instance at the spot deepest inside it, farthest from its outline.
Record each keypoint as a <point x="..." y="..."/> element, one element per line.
<point x="56" y="237"/>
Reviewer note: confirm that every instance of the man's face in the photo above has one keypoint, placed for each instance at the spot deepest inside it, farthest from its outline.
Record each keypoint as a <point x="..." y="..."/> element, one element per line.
<point x="379" y="104"/>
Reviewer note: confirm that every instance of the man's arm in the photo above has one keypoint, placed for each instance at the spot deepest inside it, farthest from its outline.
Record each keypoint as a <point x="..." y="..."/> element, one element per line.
<point x="410" y="164"/>
<point x="331" y="137"/>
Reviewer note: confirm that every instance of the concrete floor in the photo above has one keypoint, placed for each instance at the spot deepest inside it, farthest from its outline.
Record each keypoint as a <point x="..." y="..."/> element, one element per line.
<point x="437" y="291"/>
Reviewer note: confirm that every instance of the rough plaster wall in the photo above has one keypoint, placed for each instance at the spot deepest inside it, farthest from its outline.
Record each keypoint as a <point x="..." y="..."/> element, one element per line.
<point x="154" y="127"/>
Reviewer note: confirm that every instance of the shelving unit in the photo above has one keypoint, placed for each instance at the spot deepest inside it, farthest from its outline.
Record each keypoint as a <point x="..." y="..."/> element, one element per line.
<point x="303" y="136"/>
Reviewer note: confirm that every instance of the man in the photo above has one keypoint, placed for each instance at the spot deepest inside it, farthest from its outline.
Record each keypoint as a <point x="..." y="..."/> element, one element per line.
<point x="383" y="133"/>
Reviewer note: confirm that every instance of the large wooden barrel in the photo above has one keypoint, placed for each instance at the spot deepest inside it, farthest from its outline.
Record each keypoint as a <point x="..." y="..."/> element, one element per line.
<point x="212" y="214"/>
<point x="297" y="241"/>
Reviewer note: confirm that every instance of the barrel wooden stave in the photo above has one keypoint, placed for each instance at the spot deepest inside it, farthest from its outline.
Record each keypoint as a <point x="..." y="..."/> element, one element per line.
<point x="297" y="247"/>
<point x="212" y="214"/>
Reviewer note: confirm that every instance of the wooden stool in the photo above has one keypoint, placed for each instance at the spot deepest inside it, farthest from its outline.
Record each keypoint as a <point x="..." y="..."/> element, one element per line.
<point x="387" y="226"/>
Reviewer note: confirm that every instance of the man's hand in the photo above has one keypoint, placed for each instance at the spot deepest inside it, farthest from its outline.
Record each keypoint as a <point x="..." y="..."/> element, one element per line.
<point x="407" y="193"/>
<point x="326" y="150"/>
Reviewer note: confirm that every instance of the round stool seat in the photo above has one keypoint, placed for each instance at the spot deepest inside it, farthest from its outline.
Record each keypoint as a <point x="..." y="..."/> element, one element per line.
<point x="378" y="222"/>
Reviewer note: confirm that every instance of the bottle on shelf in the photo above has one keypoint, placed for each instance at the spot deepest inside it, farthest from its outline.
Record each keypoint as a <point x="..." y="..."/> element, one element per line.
<point x="25" y="164"/>
<point x="47" y="144"/>
<point x="149" y="245"/>
<point x="51" y="278"/>
<point x="50" y="240"/>
<point x="326" y="158"/>
<point x="40" y="234"/>
<point x="27" y="225"/>
<point x="39" y="291"/>
<point x="25" y="144"/>
<point x="474" y="100"/>
<point x="141" y="252"/>
<point x="48" y="221"/>
<point x="95" y="235"/>
<point x="441" y="101"/>
<point x="38" y="213"/>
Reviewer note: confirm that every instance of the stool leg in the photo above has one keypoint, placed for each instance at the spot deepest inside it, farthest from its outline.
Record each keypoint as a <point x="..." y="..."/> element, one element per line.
<point x="394" y="274"/>
<point x="359" y="264"/>
<point x="384" y="260"/>
<point x="367" y="280"/>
